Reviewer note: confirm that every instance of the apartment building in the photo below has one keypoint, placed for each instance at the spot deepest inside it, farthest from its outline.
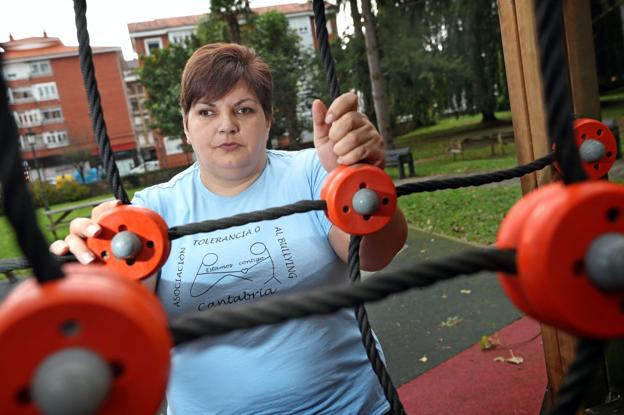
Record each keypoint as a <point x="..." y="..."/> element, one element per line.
<point x="160" y="33"/>
<point x="49" y="103"/>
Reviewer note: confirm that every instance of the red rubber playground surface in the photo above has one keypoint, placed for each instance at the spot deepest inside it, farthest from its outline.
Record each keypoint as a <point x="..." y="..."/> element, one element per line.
<point x="476" y="382"/>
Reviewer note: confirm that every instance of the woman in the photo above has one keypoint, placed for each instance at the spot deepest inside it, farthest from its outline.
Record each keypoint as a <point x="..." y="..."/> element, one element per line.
<point x="314" y="365"/>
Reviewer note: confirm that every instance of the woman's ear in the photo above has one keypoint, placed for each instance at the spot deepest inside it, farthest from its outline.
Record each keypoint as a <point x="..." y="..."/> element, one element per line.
<point x="185" y="125"/>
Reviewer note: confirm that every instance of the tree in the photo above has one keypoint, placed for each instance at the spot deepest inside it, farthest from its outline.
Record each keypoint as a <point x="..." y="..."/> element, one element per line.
<point x="280" y="48"/>
<point x="380" y="99"/>
<point x="79" y="159"/>
<point x="229" y="12"/>
<point x="160" y="74"/>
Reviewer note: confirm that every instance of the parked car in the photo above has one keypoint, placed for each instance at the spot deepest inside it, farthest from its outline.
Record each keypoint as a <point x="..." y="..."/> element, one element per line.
<point x="146" y="166"/>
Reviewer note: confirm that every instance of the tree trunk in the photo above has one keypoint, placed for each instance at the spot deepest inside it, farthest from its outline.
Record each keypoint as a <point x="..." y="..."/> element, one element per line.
<point x="487" y="117"/>
<point x="362" y="73"/>
<point x="380" y="99"/>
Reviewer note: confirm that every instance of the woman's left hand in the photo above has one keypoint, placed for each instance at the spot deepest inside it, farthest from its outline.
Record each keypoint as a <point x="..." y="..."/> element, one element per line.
<point x="342" y="135"/>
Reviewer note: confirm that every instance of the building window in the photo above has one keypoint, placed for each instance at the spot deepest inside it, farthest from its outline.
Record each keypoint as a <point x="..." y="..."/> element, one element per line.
<point x="51" y="115"/>
<point x="29" y="118"/>
<point x="173" y="145"/>
<point x="41" y="68"/>
<point x="18" y="95"/>
<point x="134" y="104"/>
<point x="180" y="37"/>
<point x="152" y="44"/>
<point x="46" y="91"/>
<point x="54" y="139"/>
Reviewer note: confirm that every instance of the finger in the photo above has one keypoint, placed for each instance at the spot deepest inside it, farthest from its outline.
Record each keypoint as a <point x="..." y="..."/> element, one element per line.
<point x="102" y="208"/>
<point x="348" y="122"/>
<point x="321" y="129"/>
<point x="341" y="105"/>
<point x="84" y="227"/>
<point x="79" y="248"/>
<point x="59" y="248"/>
<point x="354" y="139"/>
<point x="372" y="153"/>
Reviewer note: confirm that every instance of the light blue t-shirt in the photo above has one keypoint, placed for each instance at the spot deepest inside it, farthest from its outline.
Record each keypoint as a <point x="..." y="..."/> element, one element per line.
<point x="315" y="365"/>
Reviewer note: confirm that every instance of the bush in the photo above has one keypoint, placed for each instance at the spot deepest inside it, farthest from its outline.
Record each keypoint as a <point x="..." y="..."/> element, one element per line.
<point x="63" y="191"/>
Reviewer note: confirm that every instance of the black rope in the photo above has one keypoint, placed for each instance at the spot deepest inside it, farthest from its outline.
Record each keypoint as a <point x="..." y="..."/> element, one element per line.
<point x="396" y="407"/>
<point x="245" y="218"/>
<point x="589" y="354"/>
<point x="12" y="264"/>
<point x="18" y="203"/>
<point x="551" y="39"/>
<point x="323" y="41"/>
<point x="195" y="325"/>
<point x="475" y="180"/>
<point x="95" y="105"/>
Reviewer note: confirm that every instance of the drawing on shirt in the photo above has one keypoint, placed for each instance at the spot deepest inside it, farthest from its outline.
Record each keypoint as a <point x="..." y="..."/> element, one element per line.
<point x="211" y="273"/>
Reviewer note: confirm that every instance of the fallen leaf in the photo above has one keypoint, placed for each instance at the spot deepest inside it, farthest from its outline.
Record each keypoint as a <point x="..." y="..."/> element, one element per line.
<point x="465" y="291"/>
<point x="423" y="359"/>
<point x="499" y="359"/>
<point x="485" y="343"/>
<point x="489" y="342"/>
<point x="451" y="321"/>
<point x="516" y="360"/>
<point x="422" y="251"/>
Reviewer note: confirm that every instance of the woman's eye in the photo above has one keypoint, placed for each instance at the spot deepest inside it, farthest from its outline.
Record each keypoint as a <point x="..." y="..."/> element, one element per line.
<point x="245" y="110"/>
<point x="205" y="113"/>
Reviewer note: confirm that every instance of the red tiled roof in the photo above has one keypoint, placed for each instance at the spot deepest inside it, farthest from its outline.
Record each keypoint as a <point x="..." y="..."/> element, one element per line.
<point x="39" y="47"/>
<point x="163" y="23"/>
<point x="193" y="20"/>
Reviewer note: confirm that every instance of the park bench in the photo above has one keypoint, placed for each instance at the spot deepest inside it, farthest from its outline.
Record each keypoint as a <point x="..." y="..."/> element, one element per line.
<point x="400" y="157"/>
<point x="57" y="222"/>
<point x="495" y="140"/>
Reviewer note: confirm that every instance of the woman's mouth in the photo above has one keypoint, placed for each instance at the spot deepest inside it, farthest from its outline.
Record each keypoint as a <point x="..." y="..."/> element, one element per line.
<point x="229" y="146"/>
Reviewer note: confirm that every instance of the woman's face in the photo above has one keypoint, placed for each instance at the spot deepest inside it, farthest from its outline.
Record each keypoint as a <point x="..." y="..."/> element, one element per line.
<point x="229" y="135"/>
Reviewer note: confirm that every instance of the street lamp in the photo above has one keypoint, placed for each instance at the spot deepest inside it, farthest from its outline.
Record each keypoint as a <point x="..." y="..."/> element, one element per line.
<point x="31" y="138"/>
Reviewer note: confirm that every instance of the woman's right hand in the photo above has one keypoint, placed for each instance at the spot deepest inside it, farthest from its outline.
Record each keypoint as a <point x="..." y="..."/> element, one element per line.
<point x="79" y="230"/>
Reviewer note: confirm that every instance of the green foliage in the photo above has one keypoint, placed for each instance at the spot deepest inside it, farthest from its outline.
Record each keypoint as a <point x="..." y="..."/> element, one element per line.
<point x="160" y="74"/>
<point x="280" y="48"/>
<point x="63" y="191"/>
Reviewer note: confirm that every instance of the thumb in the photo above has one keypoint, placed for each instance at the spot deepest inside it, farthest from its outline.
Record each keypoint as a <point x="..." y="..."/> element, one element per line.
<point x="321" y="129"/>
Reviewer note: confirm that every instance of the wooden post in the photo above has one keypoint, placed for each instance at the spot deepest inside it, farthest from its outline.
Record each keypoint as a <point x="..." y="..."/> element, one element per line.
<point x="520" y="48"/>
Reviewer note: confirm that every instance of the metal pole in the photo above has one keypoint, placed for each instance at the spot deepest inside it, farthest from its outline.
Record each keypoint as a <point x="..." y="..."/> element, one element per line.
<point x="44" y="194"/>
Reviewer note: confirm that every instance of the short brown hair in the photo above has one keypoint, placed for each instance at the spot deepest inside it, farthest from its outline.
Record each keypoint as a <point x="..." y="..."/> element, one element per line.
<point x="213" y="70"/>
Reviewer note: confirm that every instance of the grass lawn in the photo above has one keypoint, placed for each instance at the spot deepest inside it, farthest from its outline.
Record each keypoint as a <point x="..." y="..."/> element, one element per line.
<point x="471" y="214"/>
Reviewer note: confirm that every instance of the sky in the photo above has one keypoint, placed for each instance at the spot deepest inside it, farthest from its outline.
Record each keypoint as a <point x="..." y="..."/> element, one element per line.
<point x="107" y="20"/>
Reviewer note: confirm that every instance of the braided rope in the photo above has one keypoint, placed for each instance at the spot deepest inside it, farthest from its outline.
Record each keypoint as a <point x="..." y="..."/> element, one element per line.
<point x="18" y="203"/>
<point x="354" y="257"/>
<point x="554" y="66"/>
<point x="370" y="345"/>
<point x="245" y="218"/>
<point x="95" y="105"/>
<point x="475" y="180"/>
<point x="195" y="325"/>
<point x="323" y="41"/>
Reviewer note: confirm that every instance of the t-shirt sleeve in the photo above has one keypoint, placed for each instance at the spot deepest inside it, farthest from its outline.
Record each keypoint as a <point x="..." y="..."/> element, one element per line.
<point x="139" y="199"/>
<point x="317" y="176"/>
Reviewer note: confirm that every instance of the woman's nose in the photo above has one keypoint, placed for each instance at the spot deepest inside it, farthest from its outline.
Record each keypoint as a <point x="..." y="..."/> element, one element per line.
<point x="228" y="124"/>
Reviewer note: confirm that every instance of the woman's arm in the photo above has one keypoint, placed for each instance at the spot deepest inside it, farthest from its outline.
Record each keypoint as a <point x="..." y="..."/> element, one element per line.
<point x="376" y="250"/>
<point x="342" y="135"/>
